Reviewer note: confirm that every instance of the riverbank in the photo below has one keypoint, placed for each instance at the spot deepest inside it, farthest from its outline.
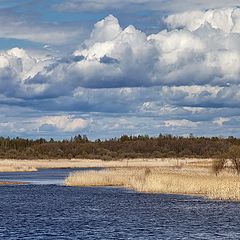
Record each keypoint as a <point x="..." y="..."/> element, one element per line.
<point x="10" y="183"/>
<point x="12" y="165"/>
<point x="160" y="180"/>
<point x="169" y="175"/>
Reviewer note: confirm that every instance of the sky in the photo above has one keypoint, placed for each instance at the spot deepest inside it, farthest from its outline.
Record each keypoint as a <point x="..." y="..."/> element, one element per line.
<point x="105" y="68"/>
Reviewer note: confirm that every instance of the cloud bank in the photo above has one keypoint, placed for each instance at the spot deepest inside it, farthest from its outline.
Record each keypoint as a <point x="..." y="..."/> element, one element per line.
<point x="205" y="52"/>
<point x="187" y="75"/>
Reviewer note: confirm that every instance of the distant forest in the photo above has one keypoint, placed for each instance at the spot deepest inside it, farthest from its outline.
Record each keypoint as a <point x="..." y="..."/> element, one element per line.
<point x="117" y="148"/>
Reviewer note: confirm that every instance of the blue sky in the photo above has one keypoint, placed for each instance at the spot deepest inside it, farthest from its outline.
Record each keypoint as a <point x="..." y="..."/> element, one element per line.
<point x="112" y="67"/>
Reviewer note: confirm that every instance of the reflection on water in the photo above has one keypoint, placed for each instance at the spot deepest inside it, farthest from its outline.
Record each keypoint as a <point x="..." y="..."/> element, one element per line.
<point x="58" y="212"/>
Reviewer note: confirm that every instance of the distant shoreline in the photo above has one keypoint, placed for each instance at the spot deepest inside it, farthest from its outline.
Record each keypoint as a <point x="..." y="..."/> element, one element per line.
<point x="15" y="165"/>
<point x="133" y="147"/>
<point x="4" y="183"/>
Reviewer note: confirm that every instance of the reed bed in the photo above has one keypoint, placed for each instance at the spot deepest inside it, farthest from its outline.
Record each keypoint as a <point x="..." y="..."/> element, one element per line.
<point x="150" y="180"/>
<point x="108" y="177"/>
<point x="17" y="169"/>
<point x="11" y="183"/>
<point x="15" y="165"/>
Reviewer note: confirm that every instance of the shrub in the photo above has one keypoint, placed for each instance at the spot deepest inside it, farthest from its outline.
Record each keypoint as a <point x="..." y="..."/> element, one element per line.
<point x="218" y="165"/>
<point x="234" y="155"/>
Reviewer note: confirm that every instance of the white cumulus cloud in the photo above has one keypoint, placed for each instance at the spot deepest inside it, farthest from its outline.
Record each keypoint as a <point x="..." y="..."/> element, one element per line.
<point x="64" y="123"/>
<point x="180" y="123"/>
<point x="225" y="19"/>
<point x="116" y="57"/>
<point x="186" y="74"/>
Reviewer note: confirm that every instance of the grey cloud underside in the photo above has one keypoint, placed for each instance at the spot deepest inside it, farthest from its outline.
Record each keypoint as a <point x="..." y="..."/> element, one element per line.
<point x="180" y="79"/>
<point x="206" y="53"/>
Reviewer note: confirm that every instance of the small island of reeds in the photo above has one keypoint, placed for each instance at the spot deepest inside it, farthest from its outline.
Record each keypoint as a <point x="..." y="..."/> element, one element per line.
<point x="193" y="178"/>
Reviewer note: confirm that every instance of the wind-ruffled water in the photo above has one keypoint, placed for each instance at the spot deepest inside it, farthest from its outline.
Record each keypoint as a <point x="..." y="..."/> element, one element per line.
<point x="52" y="211"/>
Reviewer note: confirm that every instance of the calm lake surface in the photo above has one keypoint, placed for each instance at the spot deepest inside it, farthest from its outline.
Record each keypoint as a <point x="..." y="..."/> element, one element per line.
<point x="46" y="210"/>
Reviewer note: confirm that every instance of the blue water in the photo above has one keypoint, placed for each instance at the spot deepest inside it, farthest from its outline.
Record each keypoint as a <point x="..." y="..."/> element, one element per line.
<point x="43" y="176"/>
<point x="53" y="211"/>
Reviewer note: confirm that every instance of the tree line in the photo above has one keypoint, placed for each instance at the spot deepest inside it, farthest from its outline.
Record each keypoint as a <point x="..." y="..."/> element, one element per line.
<point x="142" y="146"/>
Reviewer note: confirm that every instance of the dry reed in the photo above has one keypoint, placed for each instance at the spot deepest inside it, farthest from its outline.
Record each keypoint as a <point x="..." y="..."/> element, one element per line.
<point x="25" y="165"/>
<point x="161" y="181"/>
<point x="11" y="183"/>
<point x="17" y="169"/>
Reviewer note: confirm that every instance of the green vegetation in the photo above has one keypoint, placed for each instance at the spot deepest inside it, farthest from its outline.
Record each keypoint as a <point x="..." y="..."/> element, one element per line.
<point x="123" y="147"/>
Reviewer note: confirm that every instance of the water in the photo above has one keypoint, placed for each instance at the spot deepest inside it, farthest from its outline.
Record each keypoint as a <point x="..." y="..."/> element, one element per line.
<point x="52" y="211"/>
<point x="42" y="177"/>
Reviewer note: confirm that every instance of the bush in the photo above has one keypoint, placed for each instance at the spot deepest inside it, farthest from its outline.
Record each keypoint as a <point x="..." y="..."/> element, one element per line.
<point x="218" y="165"/>
<point x="234" y="155"/>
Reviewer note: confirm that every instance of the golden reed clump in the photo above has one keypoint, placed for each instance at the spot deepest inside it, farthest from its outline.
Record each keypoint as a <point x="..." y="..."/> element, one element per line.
<point x="157" y="181"/>
<point x="109" y="177"/>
